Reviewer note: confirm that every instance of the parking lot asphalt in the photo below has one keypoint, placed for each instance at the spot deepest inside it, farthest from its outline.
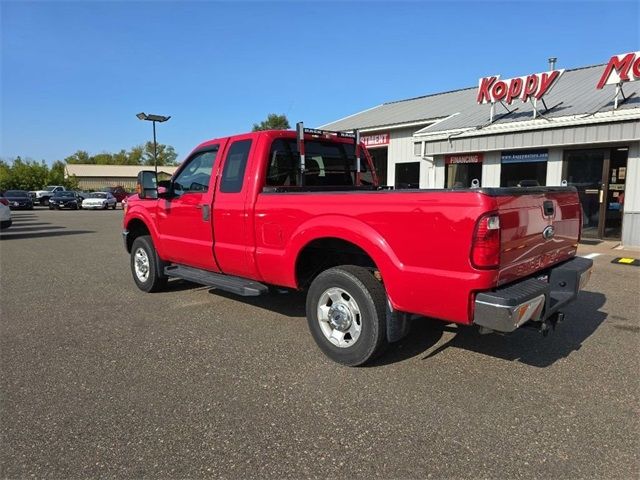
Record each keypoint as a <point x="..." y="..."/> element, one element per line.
<point x="100" y="379"/>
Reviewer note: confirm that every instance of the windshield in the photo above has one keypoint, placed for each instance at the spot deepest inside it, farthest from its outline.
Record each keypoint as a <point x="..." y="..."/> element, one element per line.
<point x="98" y="195"/>
<point x="16" y="193"/>
<point x="50" y="189"/>
<point x="64" y="194"/>
<point x="327" y="164"/>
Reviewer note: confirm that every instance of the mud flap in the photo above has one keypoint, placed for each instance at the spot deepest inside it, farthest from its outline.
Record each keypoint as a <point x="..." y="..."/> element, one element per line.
<point x="398" y="324"/>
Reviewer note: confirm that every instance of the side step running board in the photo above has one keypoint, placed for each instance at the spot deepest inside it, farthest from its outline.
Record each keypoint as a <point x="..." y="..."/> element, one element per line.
<point x="237" y="285"/>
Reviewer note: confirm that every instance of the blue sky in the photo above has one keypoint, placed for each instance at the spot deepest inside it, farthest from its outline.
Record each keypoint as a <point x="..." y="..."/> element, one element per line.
<point x="74" y="74"/>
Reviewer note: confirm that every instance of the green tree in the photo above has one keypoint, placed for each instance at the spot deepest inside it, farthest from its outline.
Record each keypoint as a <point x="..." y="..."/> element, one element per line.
<point x="137" y="155"/>
<point x="166" y="154"/>
<point x="31" y="175"/>
<point x="103" y="158"/>
<point x="134" y="156"/>
<point x="273" y="122"/>
<point x="57" y="176"/>
<point x="124" y="158"/>
<point x="5" y="175"/>
<point x="80" y="156"/>
<point x="27" y="174"/>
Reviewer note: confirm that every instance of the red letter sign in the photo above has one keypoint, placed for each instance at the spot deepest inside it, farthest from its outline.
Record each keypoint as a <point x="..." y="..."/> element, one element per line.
<point x="492" y="89"/>
<point x="619" y="68"/>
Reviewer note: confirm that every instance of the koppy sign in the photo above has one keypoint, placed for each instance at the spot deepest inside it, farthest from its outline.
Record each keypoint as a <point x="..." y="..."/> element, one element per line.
<point x="534" y="86"/>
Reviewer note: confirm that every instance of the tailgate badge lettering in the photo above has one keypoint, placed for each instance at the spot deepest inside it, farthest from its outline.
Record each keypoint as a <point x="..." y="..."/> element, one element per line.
<point x="549" y="232"/>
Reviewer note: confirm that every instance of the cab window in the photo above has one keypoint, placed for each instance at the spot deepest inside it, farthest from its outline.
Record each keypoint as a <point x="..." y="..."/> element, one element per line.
<point x="195" y="176"/>
<point x="234" y="167"/>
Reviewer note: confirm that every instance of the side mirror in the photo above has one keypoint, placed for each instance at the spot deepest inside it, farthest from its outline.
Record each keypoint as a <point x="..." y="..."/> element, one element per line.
<point x="147" y="186"/>
<point x="165" y="189"/>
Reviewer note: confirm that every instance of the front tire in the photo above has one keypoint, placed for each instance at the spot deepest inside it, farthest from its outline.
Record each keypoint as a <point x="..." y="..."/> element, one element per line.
<point x="346" y="312"/>
<point x="145" y="265"/>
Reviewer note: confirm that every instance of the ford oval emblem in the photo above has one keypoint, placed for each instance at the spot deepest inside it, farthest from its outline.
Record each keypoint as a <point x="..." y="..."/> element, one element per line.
<point x="549" y="232"/>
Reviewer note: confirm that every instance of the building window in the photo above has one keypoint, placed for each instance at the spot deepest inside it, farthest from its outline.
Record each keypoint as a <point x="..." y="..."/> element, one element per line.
<point x="462" y="170"/>
<point x="379" y="157"/>
<point x="524" y="168"/>
<point x="408" y="175"/>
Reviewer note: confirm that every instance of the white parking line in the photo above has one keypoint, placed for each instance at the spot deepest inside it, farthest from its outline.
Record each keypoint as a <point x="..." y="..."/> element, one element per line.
<point x="591" y="255"/>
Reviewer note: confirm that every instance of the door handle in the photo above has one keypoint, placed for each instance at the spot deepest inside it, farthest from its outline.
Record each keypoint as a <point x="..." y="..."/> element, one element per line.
<point x="601" y="196"/>
<point x="205" y="211"/>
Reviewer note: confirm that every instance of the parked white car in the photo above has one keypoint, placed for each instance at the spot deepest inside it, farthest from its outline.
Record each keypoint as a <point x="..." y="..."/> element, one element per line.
<point x="102" y="200"/>
<point x="5" y="216"/>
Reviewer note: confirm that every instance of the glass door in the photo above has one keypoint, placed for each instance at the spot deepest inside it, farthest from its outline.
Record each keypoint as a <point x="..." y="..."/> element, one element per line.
<point x="616" y="179"/>
<point x="600" y="176"/>
<point x="584" y="169"/>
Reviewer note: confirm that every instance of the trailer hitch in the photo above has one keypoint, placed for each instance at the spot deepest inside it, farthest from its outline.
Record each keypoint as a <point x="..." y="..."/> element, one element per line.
<point x="547" y="324"/>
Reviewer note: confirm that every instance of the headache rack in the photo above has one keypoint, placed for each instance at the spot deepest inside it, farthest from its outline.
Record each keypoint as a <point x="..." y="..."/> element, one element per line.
<point x="301" y="132"/>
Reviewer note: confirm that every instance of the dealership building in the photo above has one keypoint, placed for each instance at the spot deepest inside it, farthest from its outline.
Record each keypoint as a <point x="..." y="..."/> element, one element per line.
<point x="578" y="127"/>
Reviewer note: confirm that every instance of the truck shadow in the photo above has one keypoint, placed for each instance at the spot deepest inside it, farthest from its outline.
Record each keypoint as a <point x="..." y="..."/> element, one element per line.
<point x="59" y="232"/>
<point x="290" y="304"/>
<point x="525" y="346"/>
<point x="29" y="228"/>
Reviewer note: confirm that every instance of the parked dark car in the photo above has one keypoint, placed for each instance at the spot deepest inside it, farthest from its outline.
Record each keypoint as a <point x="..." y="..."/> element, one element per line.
<point x="65" y="199"/>
<point x="119" y="192"/>
<point x="82" y="194"/>
<point x="19" y="199"/>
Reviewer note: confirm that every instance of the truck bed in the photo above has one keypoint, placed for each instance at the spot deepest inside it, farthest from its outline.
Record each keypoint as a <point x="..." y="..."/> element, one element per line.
<point x="419" y="239"/>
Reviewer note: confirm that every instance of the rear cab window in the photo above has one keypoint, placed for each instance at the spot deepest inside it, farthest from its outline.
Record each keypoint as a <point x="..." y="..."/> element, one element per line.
<point x="327" y="164"/>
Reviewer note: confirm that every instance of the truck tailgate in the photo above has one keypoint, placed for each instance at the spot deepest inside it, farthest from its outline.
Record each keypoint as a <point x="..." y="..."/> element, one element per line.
<point x="540" y="227"/>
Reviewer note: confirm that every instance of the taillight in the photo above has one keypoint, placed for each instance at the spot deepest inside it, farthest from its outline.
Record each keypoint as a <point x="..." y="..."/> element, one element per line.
<point x="4" y="201"/>
<point x="485" y="248"/>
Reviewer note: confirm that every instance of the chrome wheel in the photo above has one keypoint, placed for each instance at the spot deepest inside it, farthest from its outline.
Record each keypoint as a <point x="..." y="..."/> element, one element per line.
<point x="141" y="264"/>
<point x="339" y="317"/>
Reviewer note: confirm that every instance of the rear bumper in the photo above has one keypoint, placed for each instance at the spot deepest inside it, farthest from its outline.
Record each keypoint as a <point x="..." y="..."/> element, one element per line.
<point x="532" y="300"/>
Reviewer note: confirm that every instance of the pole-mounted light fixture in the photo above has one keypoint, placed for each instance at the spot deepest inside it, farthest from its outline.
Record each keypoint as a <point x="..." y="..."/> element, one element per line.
<point x="154" y="119"/>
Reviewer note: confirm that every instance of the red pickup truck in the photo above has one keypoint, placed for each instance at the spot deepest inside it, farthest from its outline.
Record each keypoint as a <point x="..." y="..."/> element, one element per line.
<point x="303" y="210"/>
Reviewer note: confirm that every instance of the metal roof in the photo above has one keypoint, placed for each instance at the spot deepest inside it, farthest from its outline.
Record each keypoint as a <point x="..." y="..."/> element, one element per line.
<point x="575" y="92"/>
<point x="92" y="170"/>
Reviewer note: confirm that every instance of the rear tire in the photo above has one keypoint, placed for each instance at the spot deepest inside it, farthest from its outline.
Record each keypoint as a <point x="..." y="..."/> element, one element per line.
<point x="346" y="312"/>
<point x="145" y="265"/>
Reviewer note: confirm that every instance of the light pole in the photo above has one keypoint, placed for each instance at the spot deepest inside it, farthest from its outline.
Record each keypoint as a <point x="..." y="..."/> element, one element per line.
<point x="154" y="119"/>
